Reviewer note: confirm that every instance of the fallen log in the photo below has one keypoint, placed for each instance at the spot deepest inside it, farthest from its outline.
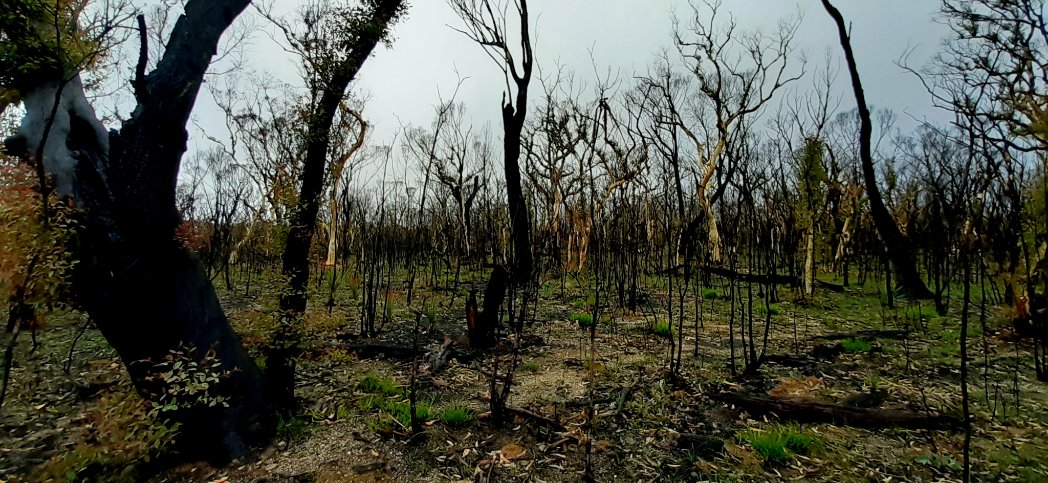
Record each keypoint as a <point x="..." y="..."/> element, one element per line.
<point x="833" y="287"/>
<point x="811" y="411"/>
<point x="867" y="334"/>
<point x="820" y="353"/>
<point x="770" y="278"/>
<point x="536" y="417"/>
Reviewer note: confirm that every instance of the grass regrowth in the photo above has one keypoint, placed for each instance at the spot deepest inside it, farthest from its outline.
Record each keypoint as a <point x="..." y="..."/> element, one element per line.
<point x="856" y="345"/>
<point x="584" y="320"/>
<point x="457" y="415"/>
<point x="378" y="384"/>
<point x="662" y="329"/>
<point x="773" y="309"/>
<point x="779" y="443"/>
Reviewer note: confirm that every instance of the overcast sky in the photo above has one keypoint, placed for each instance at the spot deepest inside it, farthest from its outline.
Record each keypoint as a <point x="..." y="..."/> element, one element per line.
<point x="403" y="80"/>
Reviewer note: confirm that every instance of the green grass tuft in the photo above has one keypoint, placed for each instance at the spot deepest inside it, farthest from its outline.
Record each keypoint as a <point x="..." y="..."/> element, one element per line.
<point x="401" y="411"/>
<point x="379" y="384"/>
<point x="457" y="415"/>
<point x="585" y="303"/>
<point x="584" y="320"/>
<point x="779" y="443"/>
<point x="773" y="309"/>
<point x="922" y="312"/>
<point x="710" y="294"/>
<point x="662" y="329"/>
<point x="856" y="345"/>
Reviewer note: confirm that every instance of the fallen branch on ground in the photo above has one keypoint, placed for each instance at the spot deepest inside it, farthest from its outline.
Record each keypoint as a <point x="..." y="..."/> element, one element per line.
<point x="870" y="334"/>
<point x="808" y="410"/>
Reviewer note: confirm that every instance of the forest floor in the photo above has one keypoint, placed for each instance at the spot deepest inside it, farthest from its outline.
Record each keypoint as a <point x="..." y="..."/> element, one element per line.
<point x="85" y="423"/>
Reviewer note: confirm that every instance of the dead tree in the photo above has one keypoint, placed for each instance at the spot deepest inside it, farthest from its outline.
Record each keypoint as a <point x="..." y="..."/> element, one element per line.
<point x="733" y="87"/>
<point x="898" y="246"/>
<point x="348" y="117"/>
<point x="334" y="46"/>
<point x="485" y="24"/>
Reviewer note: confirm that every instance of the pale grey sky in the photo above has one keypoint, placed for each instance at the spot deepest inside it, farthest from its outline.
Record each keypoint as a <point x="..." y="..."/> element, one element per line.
<point x="403" y="80"/>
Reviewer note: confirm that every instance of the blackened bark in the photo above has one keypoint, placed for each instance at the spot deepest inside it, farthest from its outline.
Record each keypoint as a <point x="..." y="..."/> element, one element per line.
<point x="900" y="250"/>
<point x="147" y="295"/>
<point x="514" y="114"/>
<point x="482" y="324"/>
<point x="520" y="219"/>
<point x="280" y="367"/>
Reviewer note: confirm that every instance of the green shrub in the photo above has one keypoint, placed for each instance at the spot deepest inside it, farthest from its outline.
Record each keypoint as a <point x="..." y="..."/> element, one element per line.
<point x="710" y="294"/>
<point x="856" y="345"/>
<point x="662" y="329"/>
<point x="379" y="384"/>
<point x="584" y="320"/>
<point x="458" y="415"/>
<point x="186" y="383"/>
<point x="779" y="443"/>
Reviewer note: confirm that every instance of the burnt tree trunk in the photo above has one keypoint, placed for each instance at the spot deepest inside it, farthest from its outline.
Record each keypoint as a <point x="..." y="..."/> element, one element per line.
<point x="900" y="250"/>
<point x="145" y="292"/>
<point x="280" y="366"/>
<point x="520" y="219"/>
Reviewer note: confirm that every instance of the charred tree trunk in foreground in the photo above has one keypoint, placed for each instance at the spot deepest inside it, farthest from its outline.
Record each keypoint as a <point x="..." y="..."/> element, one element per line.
<point x="145" y="292"/>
